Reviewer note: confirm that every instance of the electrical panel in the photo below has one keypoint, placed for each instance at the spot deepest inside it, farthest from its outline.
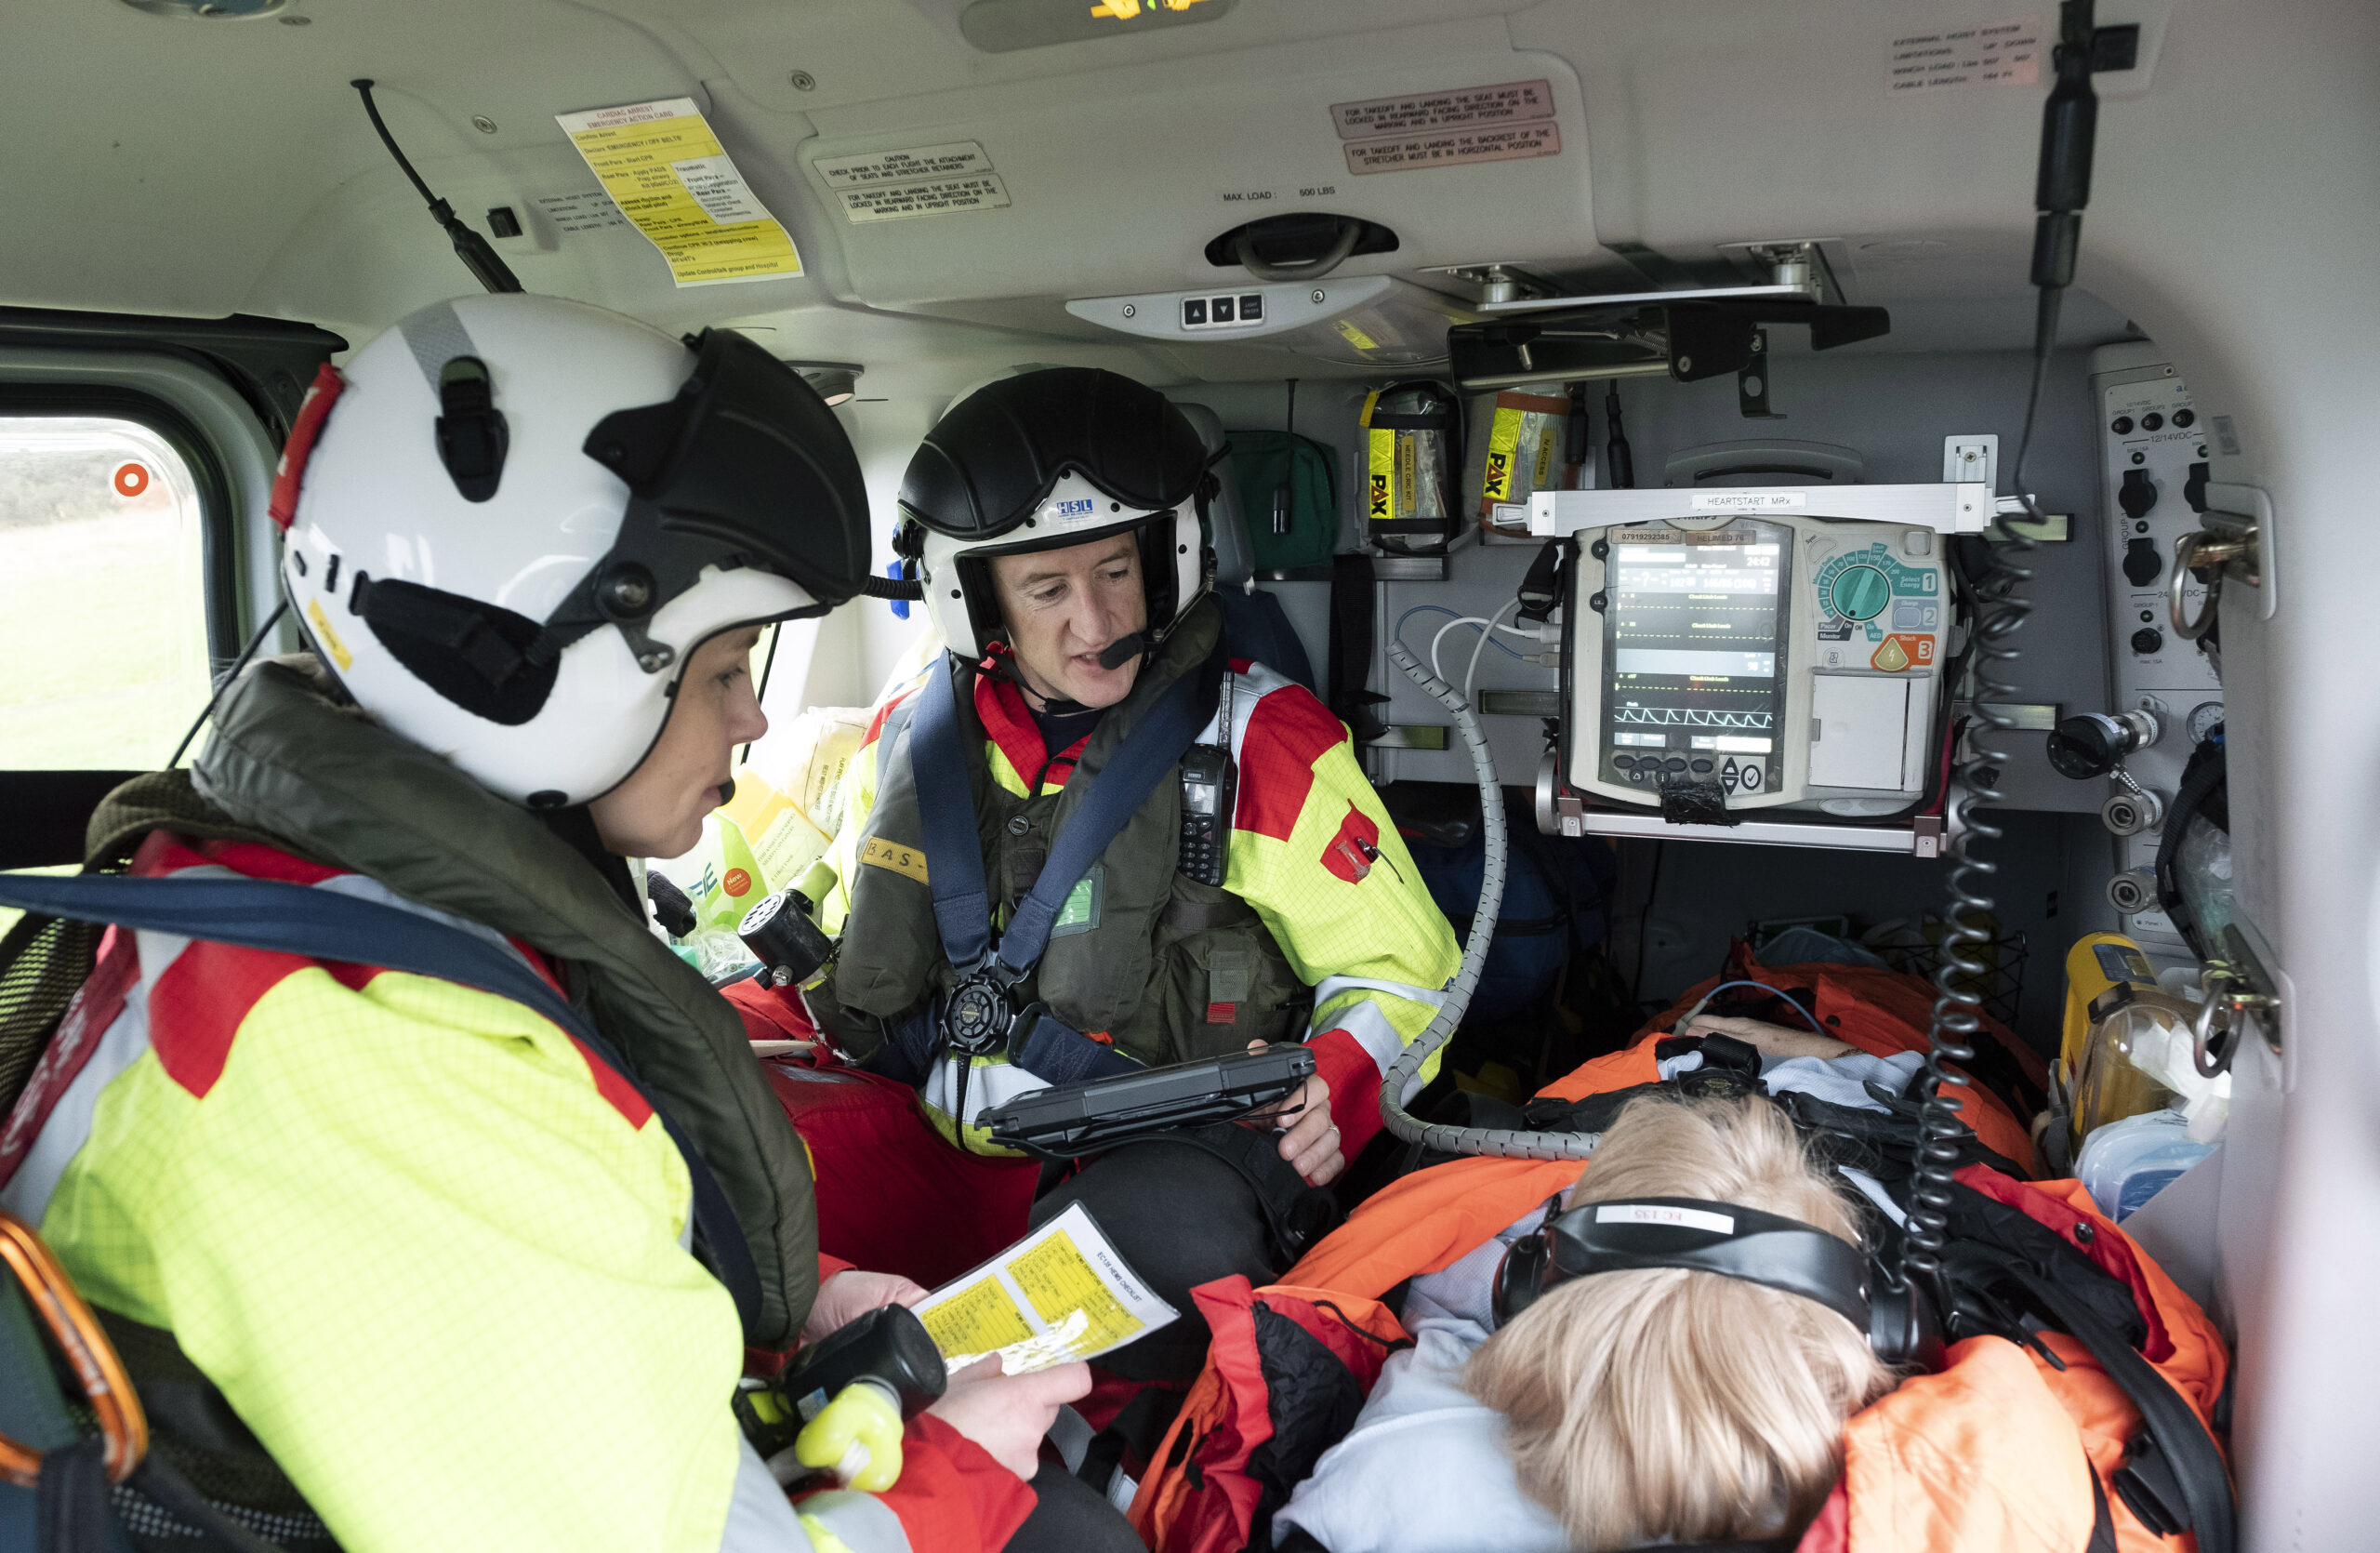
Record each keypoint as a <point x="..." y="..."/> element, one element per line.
<point x="2153" y="460"/>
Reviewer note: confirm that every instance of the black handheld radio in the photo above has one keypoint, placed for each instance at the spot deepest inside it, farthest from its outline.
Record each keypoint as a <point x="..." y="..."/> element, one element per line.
<point x="1209" y="791"/>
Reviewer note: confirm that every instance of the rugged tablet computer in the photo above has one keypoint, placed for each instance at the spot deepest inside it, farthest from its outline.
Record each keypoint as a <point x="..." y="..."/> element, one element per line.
<point x="1072" y="1119"/>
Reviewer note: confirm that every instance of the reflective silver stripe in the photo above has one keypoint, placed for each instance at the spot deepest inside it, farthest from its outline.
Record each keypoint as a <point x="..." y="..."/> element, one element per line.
<point x="64" y="1130"/>
<point x="1247" y="690"/>
<point x="436" y="336"/>
<point x="62" y="1134"/>
<point x="860" y="1521"/>
<point x="364" y="887"/>
<point x="1371" y="1029"/>
<point x="159" y="950"/>
<point x="758" y="1516"/>
<point x="1332" y="985"/>
<point x="992" y="1083"/>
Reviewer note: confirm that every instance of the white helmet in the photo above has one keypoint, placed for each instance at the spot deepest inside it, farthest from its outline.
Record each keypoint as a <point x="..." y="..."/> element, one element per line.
<point x="512" y="519"/>
<point x="1047" y="460"/>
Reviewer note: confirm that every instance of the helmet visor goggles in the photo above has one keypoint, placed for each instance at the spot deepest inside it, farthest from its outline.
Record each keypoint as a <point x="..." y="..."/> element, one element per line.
<point x="992" y="460"/>
<point x="744" y="467"/>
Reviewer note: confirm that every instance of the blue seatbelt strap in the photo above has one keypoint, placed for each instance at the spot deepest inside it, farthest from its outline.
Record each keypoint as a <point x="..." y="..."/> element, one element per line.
<point x="962" y="902"/>
<point x="963" y="907"/>
<point x="325" y="924"/>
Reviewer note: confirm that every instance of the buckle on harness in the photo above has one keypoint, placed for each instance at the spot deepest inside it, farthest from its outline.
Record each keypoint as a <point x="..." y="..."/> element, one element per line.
<point x="980" y="1011"/>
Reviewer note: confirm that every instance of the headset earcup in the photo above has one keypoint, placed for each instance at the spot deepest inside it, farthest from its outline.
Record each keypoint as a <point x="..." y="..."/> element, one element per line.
<point x="1519" y="1276"/>
<point x="1904" y="1330"/>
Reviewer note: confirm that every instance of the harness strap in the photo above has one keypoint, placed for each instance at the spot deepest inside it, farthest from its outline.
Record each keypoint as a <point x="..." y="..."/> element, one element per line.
<point x="911" y="1042"/>
<point x="940" y="763"/>
<point x="324" y="924"/>
<point x="1043" y="1045"/>
<point x="962" y="904"/>
<point x="1352" y="603"/>
<point x="2192" y="1466"/>
<point x="2103" y="1525"/>
<point x="955" y="853"/>
<point x="1053" y="1050"/>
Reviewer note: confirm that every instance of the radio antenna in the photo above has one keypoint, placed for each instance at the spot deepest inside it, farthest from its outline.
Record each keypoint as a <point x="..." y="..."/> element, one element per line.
<point x="482" y="262"/>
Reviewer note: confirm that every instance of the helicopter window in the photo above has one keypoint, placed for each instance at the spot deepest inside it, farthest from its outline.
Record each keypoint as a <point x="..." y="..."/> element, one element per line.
<point x="103" y="645"/>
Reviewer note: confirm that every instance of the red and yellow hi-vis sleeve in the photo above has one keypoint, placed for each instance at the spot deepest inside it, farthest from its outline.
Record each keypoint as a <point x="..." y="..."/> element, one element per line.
<point x="1314" y="850"/>
<point x="952" y="1494"/>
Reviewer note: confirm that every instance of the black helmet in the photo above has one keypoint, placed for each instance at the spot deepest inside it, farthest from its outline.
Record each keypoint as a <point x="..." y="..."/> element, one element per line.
<point x="1047" y="459"/>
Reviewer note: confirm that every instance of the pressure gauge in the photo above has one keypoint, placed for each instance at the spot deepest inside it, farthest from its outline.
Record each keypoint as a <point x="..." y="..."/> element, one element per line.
<point x="2202" y="720"/>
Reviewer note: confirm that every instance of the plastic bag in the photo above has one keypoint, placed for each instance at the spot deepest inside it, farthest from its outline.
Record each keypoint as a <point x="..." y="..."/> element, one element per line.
<point x="2127" y="1162"/>
<point x="1516" y="450"/>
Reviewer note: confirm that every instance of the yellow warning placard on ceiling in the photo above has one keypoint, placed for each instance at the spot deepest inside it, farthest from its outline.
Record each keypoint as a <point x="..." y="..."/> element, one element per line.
<point x="666" y="170"/>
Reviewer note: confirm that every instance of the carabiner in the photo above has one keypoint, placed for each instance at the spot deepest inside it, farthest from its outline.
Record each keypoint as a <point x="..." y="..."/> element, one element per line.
<point x="123" y="1427"/>
<point x="2213" y="1061"/>
<point x="2191" y="552"/>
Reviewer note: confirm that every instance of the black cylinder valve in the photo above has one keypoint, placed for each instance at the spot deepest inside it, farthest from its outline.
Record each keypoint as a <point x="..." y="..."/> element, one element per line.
<point x="782" y="937"/>
<point x="2094" y="744"/>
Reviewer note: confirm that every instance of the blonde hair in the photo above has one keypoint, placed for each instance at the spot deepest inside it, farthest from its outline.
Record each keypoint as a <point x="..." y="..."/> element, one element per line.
<point x="1676" y="1404"/>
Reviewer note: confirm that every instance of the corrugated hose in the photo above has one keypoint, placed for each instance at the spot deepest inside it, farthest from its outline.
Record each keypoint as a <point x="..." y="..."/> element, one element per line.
<point x="1503" y="1143"/>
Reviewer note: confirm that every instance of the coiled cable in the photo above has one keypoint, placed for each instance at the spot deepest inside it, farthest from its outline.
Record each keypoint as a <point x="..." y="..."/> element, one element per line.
<point x="1502" y="1142"/>
<point x="1960" y="977"/>
<point x="2062" y="187"/>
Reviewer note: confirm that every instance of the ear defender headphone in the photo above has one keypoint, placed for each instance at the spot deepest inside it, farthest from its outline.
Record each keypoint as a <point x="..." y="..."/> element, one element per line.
<point x="1733" y="1242"/>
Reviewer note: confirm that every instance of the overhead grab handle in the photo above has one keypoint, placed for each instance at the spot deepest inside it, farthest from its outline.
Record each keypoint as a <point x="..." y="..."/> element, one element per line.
<point x="1243" y="249"/>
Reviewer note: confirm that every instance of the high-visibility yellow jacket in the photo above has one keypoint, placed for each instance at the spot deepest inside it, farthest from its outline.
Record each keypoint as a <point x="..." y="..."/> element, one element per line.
<point x="1313" y="851"/>
<point x="432" y="1251"/>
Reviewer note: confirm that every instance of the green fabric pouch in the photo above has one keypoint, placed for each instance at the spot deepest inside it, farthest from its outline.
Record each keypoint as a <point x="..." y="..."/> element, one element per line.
<point x="1260" y="463"/>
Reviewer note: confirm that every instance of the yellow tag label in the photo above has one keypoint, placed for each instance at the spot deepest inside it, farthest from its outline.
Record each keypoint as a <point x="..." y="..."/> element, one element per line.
<point x="327" y="637"/>
<point x="669" y="176"/>
<point x="1356" y="336"/>
<point x="1544" y="458"/>
<point x="1408" y="473"/>
<point x="1058" y="1279"/>
<point x="1380" y="456"/>
<point x="900" y="859"/>
<point x="978" y="1319"/>
<point x="1365" y="417"/>
<point x="1504" y="441"/>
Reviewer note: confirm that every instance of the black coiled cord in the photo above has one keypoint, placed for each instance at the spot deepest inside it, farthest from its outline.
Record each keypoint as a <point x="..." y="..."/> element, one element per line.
<point x="2062" y="189"/>
<point x="2002" y="611"/>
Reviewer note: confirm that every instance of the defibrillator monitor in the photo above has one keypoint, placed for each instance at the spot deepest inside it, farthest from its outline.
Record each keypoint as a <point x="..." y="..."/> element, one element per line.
<point x="1692" y="670"/>
<point x="1787" y="659"/>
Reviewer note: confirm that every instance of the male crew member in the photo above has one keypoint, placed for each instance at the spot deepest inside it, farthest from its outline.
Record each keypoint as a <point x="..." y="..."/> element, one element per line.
<point x="1057" y="517"/>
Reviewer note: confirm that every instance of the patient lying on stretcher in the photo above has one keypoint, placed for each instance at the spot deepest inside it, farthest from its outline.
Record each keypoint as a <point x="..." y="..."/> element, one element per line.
<point x="1630" y="1408"/>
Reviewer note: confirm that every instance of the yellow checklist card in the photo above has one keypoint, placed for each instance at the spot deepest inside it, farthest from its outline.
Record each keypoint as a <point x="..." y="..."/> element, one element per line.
<point x="1060" y="1294"/>
<point x="662" y="165"/>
